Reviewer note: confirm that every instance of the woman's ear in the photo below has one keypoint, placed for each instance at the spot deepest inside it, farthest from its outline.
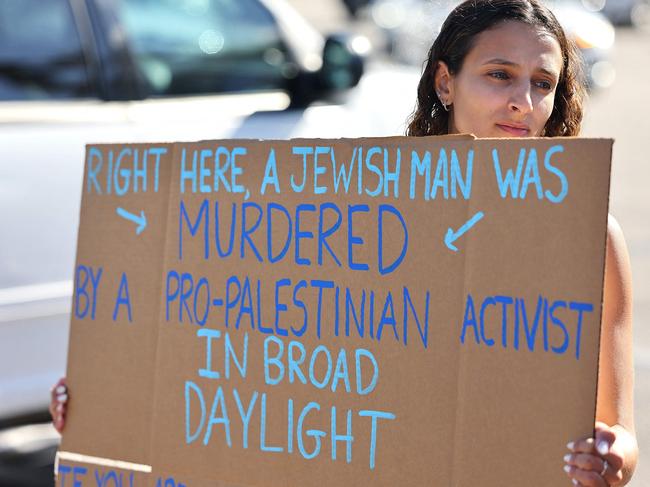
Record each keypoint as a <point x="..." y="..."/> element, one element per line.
<point x="444" y="84"/>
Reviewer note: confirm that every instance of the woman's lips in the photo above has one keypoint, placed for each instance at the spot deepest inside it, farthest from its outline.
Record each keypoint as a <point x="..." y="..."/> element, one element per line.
<point x="516" y="131"/>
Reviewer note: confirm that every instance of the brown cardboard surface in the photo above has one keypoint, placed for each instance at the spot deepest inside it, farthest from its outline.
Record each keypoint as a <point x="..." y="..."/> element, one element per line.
<point x="116" y="357"/>
<point x="463" y="403"/>
<point x="94" y="471"/>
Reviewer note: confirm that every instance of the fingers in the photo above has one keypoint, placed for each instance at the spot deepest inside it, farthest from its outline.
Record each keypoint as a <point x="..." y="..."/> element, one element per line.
<point x="598" y="446"/>
<point x="604" y="445"/>
<point x="59" y="387"/>
<point x="59" y="423"/>
<point x="584" y="465"/>
<point x="585" y="461"/>
<point x="61" y="395"/>
<point x="595" y="461"/>
<point x="586" y="478"/>
<point x="605" y="438"/>
<point x="58" y="402"/>
<point x="586" y="445"/>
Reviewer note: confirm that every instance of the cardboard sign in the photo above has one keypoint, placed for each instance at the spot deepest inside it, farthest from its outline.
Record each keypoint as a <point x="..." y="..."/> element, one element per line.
<point x="397" y="311"/>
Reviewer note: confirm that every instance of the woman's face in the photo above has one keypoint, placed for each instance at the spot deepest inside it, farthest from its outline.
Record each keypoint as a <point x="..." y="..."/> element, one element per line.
<point x="506" y="85"/>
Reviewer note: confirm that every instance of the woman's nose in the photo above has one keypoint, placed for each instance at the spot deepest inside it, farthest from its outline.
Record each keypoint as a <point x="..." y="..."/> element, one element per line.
<point x="521" y="98"/>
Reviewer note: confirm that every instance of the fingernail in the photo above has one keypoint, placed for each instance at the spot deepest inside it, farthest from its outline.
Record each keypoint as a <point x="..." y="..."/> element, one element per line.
<point x="567" y="468"/>
<point x="60" y="389"/>
<point x="59" y="408"/>
<point x="567" y="458"/>
<point x="603" y="447"/>
<point x="570" y="445"/>
<point x="575" y="482"/>
<point x="62" y="397"/>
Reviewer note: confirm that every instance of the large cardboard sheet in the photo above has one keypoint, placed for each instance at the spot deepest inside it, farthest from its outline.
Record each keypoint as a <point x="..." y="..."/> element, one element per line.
<point x="395" y="311"/>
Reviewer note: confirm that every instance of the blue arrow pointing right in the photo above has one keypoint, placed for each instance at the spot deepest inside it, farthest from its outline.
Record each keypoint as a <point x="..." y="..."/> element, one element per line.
<point x="141" y="220"/>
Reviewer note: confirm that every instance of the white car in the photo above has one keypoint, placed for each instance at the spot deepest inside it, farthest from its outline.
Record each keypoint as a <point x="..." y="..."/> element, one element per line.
<point x="85" y="71"/>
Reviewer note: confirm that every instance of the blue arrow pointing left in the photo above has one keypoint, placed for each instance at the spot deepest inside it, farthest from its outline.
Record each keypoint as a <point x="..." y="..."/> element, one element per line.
<point x="452" y="236"/>
<point x="141" y="220"/>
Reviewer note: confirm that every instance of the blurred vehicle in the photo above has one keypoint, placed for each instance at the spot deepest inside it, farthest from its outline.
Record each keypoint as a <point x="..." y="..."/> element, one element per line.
<point x="26" y="455"/>
<point x="86" y="71"/>
<point x="627" y="12"/>
<point x="412" y="25"/>
<point x="354" y="6"/>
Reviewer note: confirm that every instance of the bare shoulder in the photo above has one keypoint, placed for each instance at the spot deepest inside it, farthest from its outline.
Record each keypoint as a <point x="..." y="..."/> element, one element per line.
<point x="615" y="235"/>
<point x="617" y="254"/>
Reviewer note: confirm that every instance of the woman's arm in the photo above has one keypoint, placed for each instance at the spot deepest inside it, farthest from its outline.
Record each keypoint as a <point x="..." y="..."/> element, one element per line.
<point x="615" y="439"/>
<point x="615" y="404"/>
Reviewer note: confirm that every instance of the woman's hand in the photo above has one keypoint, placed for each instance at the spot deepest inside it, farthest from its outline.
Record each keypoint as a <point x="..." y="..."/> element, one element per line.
<point x="58" y="403"/>
<point x="596" y="461"/>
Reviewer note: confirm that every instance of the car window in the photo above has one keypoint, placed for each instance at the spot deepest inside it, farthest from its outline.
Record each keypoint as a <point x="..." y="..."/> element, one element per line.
<point x="205" y="46"/>
<point x="40" y="52"/>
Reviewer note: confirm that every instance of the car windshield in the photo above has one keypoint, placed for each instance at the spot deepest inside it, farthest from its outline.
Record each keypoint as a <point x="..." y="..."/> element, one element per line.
<point x="40" y="52"/>
<point x="206" y="46"/>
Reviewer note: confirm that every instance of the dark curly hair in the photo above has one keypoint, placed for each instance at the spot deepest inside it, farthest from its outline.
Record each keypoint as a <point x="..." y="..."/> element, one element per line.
<point x="456" y="39"/>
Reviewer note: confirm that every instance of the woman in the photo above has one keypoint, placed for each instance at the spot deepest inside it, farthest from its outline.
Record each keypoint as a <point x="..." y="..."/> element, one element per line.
<point x="504" y="68"/>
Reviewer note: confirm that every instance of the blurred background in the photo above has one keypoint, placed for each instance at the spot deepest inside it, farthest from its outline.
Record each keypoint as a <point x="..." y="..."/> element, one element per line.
<point x="73" y="71"/>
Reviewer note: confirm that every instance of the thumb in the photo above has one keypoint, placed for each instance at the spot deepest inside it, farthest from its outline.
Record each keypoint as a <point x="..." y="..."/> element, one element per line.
<point x="604" y="438"/>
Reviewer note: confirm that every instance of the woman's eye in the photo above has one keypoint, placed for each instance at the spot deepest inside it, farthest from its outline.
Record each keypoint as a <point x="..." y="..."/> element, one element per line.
<point x="545" y="85"/>
<point x="499" y="75"/>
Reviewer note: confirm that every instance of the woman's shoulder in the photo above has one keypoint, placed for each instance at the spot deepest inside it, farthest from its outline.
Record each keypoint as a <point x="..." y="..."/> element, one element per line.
<point x="614" y="229"/>
<point x="616" y="244"/>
